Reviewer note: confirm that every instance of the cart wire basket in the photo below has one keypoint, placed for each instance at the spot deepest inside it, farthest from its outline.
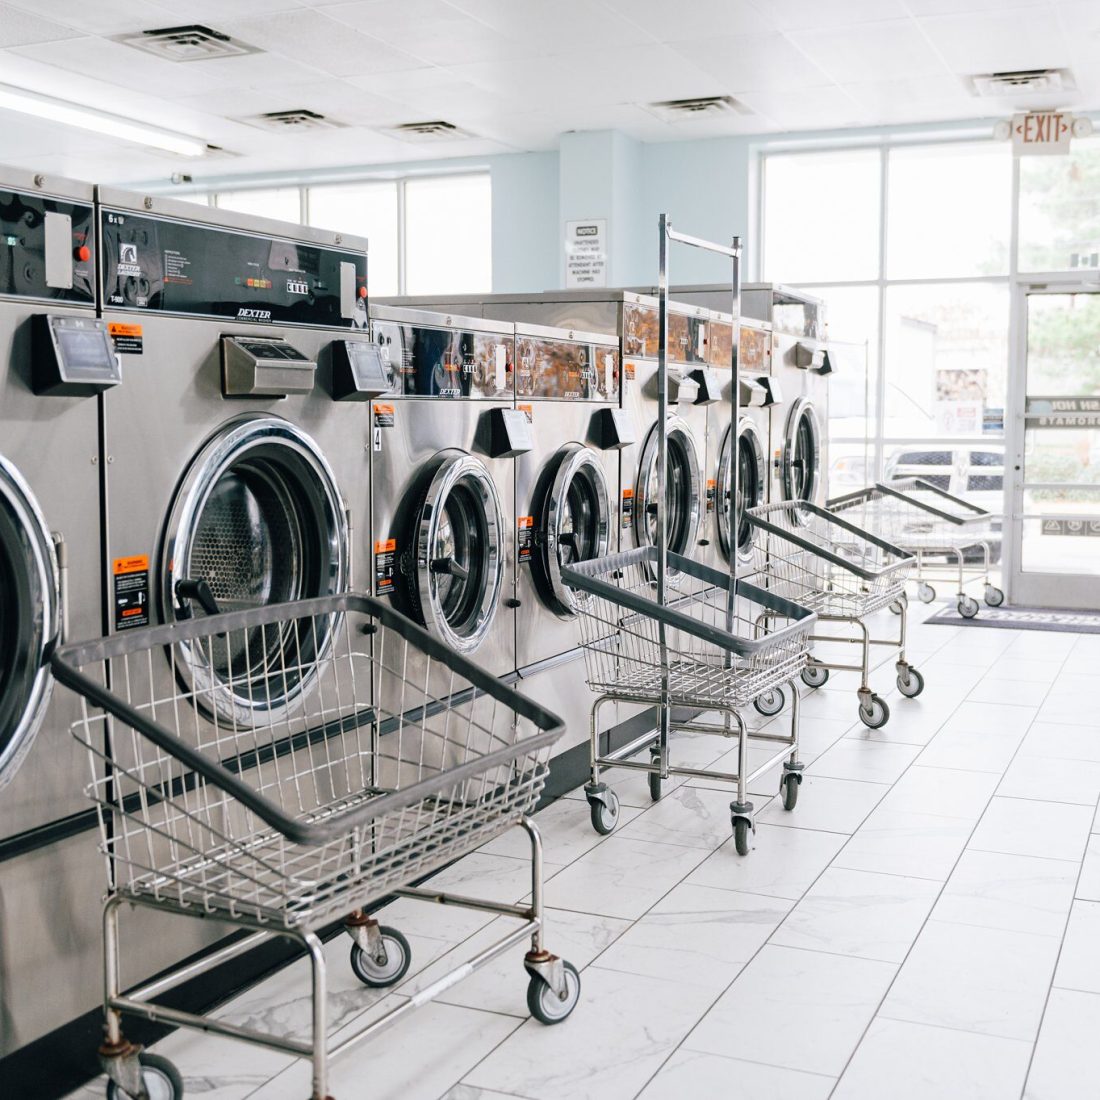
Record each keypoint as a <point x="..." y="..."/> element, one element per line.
<point x="949" y="537"/>
<point x="822" y="561"/>
<point x="715" y="647"/>
<point x="284" y="820"/>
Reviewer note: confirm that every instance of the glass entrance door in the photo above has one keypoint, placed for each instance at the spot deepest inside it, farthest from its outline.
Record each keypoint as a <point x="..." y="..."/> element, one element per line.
<point x="1055" y="528"/>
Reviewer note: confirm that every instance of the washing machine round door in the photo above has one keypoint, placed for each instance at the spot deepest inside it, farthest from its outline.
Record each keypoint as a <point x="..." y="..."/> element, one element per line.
<point x="259" y="518"/>
<point x="458" y="579"/>
<point x="751" y="473"/>
<point x="575" y="521"/>
<point x="683" y="490"/>
<point x="802" y="453"/>
<point x="29" y="618"/>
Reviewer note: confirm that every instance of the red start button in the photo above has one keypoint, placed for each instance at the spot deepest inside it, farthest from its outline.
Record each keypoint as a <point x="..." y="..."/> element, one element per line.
<point x="362" y="292"/>
<point x="83" y="253"/>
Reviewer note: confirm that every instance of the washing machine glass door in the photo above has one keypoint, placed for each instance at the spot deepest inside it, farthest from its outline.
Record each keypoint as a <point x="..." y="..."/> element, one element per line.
<point x="683" y="495"/>
<point x="751" y="472"/>
<point x="458" y="580"/>
<point x="575" y="521"/>
<point x="259" y="518"/>
<point x="29" y="618"/>
<point x="802" y="453"/>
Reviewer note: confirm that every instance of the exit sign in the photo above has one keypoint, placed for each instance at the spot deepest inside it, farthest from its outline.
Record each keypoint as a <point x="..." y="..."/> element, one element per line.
<point x="1044" y="132"/>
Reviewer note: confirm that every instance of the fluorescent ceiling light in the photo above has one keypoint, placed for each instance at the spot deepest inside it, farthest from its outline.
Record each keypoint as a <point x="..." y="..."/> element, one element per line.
<point x="99" y="122"/>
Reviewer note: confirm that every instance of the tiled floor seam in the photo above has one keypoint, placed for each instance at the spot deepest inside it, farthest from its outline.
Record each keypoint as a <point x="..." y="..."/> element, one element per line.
<point x="939" y="895"/>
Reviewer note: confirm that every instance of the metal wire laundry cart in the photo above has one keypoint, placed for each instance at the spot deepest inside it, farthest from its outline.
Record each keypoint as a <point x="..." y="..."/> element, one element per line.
<point x="822" y="561"/>
<point x="950" y="538"/>
<point x="286" y="820"/>
<point x="711" y="650"/>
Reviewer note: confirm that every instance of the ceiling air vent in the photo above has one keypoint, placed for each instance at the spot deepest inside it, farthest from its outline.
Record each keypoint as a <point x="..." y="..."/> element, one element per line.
<point x="1031" y="81"/>
<point x="190" y="43"/>
<point x="679" y="110"/>
<point x="297" y="120"/>
<point x="427" y="131"/>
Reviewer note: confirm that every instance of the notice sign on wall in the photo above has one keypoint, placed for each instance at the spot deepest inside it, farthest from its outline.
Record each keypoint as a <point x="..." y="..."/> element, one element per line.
<point x="586" y="253"/>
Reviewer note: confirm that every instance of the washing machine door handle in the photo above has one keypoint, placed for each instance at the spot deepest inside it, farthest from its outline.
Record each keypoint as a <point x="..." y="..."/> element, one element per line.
<point x="451" y="567"/>
<point x="189" y="591"/>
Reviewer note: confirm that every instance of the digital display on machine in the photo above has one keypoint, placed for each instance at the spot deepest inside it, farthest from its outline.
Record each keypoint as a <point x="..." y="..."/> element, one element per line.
<point x="72" y="356"/>
<point x="86" y="352"/>
<point x="165" y="265"/>
<point x="439" y="362"/>
<point x="50" y="258"/>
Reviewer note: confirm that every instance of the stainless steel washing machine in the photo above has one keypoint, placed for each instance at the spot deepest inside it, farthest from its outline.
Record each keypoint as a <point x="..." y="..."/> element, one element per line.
<point x="444" y="481"/>
<point x="233" y="477"/>
<point x="55" y="358"/>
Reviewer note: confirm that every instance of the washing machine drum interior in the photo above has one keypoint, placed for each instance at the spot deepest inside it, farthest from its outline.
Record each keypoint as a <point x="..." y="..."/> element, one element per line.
<point x="28" y="618"/>
<point x="683" y="485"/>
<point x="457" y="581"/>
<point x="574" y="522"/>
<point x="751" y="474"/>
<point x="802" y="453"/>
<point x="260" y="520"/>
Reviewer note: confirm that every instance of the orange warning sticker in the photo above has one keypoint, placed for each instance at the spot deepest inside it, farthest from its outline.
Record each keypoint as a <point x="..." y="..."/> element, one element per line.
<point x="385" y="546"/>
<point x="127" y="338"/>
<point x="385" y="566"/>
<point x="384" y="415"/>
<point x="626" y="509"/>
<point x="137" y="564"/>
<point x="131" y="581"/>
<point x="628" y="371"/>
<point x="117" y="328"/>
<point x="525" y="537"/>
<point x="528" y="411"/>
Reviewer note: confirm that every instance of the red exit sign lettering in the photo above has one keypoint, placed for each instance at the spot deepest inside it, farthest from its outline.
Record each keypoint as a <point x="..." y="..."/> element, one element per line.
<point x="1044" y="132"/>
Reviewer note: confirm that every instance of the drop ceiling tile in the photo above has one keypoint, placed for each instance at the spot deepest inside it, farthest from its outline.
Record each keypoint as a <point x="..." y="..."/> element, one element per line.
<point x="894" y="49"/>
<point x="792" y="15"/>
<point x="333" y="98"/>
<point x="806" y="109"/>
<point x="557" y="26"/>
<point x="698" y="19"/>
<point x="755" y="62"/>
<point x="20" y="28"/>
<point x="410" y="18"/>
<point x="960" y="7"/>
<point x="101" y="17"/>
<point x="916" y="100"/>
<point x="397" y="84"/>
<point x="999" y="41"/>
<point x="212" y="13"/>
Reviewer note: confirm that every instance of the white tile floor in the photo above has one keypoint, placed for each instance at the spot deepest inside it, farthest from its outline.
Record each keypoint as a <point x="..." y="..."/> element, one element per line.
<point x="925" y="923"/>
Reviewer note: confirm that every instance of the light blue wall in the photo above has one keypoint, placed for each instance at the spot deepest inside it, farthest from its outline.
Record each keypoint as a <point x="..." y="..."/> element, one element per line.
<point x="526" y="242"/>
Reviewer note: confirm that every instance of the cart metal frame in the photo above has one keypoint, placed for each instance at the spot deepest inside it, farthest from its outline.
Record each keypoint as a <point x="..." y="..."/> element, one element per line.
<point x="281" y="826"/>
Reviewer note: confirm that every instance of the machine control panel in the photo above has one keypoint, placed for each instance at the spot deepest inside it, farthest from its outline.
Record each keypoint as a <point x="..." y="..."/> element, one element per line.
<point x="166" y="265"/>
<point x="566" y="370"/>
<point x="72" y="356"/>
<point x="264" y="367"/>
<point x="446" y="362"/>
<point x="358" y="371"/>
<point x="46" y="248"/>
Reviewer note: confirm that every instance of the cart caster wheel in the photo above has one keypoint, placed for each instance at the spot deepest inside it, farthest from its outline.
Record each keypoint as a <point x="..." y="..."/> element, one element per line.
<point x="380" y="974"/>
<point x="815" y="676"/>
<point x="910" y="683"/>
<point x="545" y="1005"/>
<point x="655" y="786"/>
<point x="968" y="607"/>
<point x="742" y="830"/>
<point x="994" y="597"/>
<point x="605" y="814"/>
<point x="874" y="714"/>
<point x="770" y="703"/>
<point x="895" y="607"/>
<point x="925" y="592"/>
<point x="789" y="789"/>
<point x="161" y="1079"/>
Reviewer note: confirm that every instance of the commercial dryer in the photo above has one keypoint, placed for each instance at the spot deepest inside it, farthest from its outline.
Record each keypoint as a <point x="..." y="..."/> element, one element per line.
<point x="55" y="358"/>
<point x="233" y="477"/>
<point x="444" y="481"/>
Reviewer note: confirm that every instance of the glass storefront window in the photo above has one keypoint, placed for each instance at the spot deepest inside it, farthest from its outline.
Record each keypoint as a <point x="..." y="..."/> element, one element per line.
<point x="821" y="216"/>
<point x="282" y="203"/>
<point x="367" y="210"/>
<point x="949" y="211"/>
<point x="448" y="235"/>
<point x="1060" y="210"/>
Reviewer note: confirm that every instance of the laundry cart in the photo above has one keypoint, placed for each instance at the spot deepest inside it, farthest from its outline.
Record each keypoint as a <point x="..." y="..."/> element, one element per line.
<point x="292" y="820"/>
<point x="822" y="561"/>
<point x="950" y="538"/>
<point x="700" y="658"/>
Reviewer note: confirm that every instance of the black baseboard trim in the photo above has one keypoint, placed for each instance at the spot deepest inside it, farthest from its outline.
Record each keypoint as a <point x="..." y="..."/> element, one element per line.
<point x="63" y="1060"/>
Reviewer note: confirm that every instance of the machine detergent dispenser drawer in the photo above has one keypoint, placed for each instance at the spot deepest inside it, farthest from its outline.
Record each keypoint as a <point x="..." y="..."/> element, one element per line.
<point x="264" y="367"/>
<point x="72" y="356"/>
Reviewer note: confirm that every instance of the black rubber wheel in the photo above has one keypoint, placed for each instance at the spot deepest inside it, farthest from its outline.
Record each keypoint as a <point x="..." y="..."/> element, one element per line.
<point x="815" y="676"/>
<point x="655" y="786"/>
<point x="912" y="687"/>
<point x="396" y="966"/>
<point x="791" y="783"/>
<point x="742" y="829"/>
<point x="604" y="816"/>
<point x="161" y="1079"/>
<point x="994" y="597"/>
<point x="770" y="703"/>
<point x="875" y="714"/>
<point x="545" y="1005"/>
<point x="968" y="607"/>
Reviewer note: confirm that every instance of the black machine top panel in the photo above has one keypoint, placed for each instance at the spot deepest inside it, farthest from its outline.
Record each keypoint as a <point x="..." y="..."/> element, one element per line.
<point x="47" y="258"/>
<point x="164" y="265"/>
<point x="565" y="370"/>
<point x="446" y="363"/>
